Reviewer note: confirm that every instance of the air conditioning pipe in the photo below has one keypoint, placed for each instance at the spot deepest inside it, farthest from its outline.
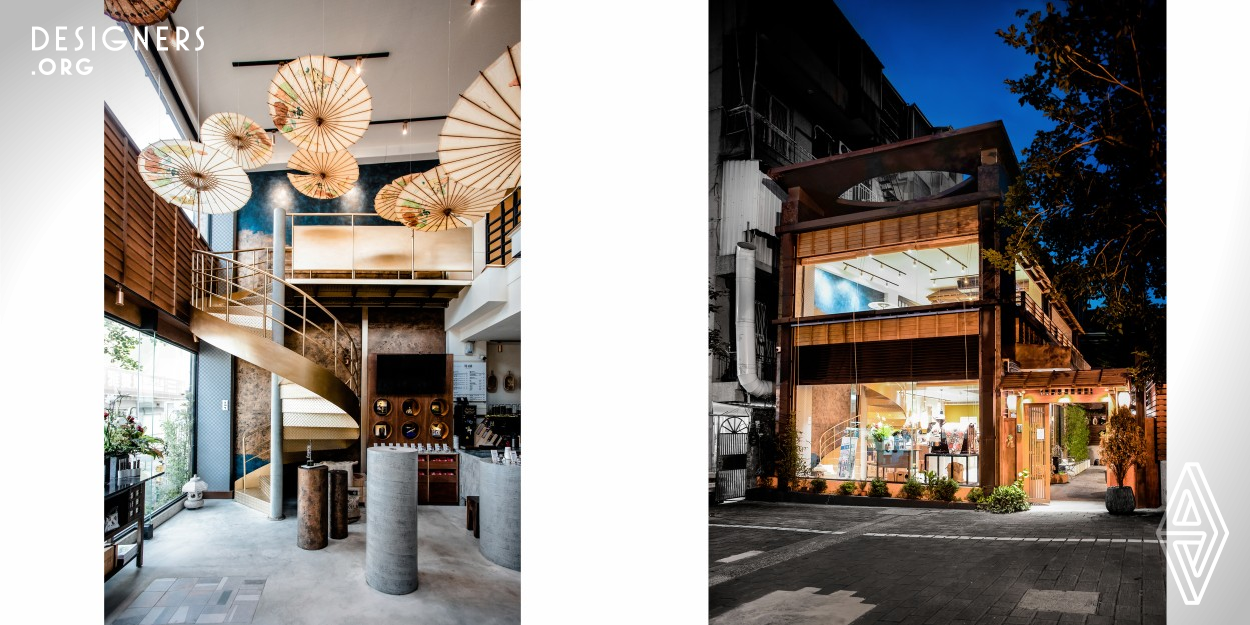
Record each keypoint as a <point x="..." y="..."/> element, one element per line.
<point x="744" y="323"/>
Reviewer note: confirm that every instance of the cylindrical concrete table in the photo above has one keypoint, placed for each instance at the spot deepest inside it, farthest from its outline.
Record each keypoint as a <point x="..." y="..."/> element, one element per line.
<point x="338" y="504"/>
<point x="312" y="507"/>
<point x="499" y="513"/>
<point x="391" y="526"/>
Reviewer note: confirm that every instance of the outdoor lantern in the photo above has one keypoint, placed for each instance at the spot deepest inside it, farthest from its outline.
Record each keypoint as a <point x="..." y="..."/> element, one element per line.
<point x="1123" y="398"/>
<point x="194" y="489"/>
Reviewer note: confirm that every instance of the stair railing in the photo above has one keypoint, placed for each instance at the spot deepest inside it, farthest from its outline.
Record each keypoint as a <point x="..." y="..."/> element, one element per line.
<point x="239" y="283"/>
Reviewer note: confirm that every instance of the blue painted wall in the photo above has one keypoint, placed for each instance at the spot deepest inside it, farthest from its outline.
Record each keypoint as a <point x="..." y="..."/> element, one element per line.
<point x="273" y="188"/>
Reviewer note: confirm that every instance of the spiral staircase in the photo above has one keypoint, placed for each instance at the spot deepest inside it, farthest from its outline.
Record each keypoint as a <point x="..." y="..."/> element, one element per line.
<point x="318" y="361"/>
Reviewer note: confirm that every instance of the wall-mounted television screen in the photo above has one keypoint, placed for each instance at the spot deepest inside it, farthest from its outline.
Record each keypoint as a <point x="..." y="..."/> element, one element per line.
<point x="411" y="374"/>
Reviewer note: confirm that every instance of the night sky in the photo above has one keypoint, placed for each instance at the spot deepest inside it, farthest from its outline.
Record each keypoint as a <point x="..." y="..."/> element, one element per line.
<point x="945" y="58"/>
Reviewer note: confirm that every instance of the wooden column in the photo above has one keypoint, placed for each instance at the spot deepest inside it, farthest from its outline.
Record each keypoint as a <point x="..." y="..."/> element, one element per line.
<point x="1146" y="487"/>
<point x="796" y="203"/>
<point x="990" y="330"/>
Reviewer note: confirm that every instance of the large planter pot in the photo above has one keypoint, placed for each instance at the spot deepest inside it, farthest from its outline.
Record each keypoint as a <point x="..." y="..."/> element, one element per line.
<point x="1120" y="500"/>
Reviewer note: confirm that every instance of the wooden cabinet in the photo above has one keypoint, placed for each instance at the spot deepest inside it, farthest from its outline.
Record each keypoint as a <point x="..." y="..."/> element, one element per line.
<point x="123" y="511"/>
<point x="438" y="479"/>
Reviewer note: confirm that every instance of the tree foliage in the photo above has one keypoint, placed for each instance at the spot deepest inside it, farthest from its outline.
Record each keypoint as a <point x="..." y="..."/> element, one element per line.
<point x="120" y="345"/>
<point x="1123" y="444"/>
<point x="1076" y="432"/>
<point x="1090" y="202"/>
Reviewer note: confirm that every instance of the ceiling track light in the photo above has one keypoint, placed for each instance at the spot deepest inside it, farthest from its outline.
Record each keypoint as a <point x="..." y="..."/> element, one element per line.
<point x="378" y="122"/>
<point x="358" y="58"/>
<point x="899" y="271"/>
<point x="915" y="260"/>
<point x="949" y="258"/>
<point x="871" y="276"/>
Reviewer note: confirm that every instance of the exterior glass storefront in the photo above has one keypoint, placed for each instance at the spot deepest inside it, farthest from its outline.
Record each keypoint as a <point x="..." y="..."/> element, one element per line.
<point x="891" y="430"/>
<point x="905" y="278"/>
<point x="151" y="380"/>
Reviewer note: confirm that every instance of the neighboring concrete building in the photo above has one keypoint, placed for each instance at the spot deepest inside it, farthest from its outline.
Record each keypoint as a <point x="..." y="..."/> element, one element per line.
<point x="789" y="83"/>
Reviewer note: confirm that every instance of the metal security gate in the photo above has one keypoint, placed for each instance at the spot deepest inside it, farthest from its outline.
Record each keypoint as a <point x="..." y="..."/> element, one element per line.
<point x="731" y="458"/>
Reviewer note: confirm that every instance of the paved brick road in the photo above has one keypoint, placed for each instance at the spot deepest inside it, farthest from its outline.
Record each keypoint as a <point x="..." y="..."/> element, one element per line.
<point x="905" y="565"/>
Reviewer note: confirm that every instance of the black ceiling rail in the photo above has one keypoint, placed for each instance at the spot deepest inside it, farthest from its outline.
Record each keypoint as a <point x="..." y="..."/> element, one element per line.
<point x="341" y="57"/>
<point x="392" y="121"/>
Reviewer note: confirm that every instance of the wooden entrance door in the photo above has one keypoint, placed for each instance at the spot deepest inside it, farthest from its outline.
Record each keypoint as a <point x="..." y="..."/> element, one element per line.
<point x="1037" y="433"/>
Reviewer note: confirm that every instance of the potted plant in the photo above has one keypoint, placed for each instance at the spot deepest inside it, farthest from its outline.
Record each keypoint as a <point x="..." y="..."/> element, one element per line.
<point x="124" y="437"/>
<point x="879" y="434"/>
<point x="1122" y="446"/>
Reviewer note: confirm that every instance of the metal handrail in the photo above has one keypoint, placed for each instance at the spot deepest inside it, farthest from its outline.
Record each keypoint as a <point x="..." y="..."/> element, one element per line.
<point x="217" y="276"/>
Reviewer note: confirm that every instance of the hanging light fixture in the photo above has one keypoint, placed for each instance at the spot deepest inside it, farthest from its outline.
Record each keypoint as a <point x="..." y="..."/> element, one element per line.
<point x="360" y="62"/>
<point x="121" y="297"/>
<point x="405" y="128"/>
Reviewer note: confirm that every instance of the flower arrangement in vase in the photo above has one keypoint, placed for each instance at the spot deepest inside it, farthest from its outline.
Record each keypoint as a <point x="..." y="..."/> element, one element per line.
<point x="124" y="437"/>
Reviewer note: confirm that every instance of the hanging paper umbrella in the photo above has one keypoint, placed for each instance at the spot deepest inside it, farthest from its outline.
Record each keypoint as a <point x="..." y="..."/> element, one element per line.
<point x="320" y="104"/>
<point x="328" y="175"/>
<point x="434" y="202"/>
<point x="194" y="175"/>
<point x="238" y="136"/>
<point x="480" y="144"/>
<point x="384" y="201"/>
<point x="140" y="12"/>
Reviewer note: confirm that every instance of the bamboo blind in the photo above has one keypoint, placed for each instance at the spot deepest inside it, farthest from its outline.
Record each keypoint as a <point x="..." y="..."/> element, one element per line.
<point x="920" y="228"/>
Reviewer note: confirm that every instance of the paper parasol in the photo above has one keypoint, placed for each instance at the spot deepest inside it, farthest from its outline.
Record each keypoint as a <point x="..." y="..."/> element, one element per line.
<point x="433" y="202"/>
<point x="384" y="203"/>
<point x="320" y="104"/>
<point x="194" y="175"/>
<point x="328" y="175"/>
<point x="140" y="12"/>
<point x="480" y="144"/>
<point x="239" y="137"/>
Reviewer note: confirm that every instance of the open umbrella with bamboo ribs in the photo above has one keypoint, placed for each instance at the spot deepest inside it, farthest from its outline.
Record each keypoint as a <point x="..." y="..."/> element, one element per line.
<point x="238" y="136"/>
<point x="326" y="175"/>
<point x="434" y="202"/>
<point x="384" y="203"/>
<point x="194" y="175"/>
<point x="480" y="144"/>
<point x="320" y="104"/>
<point x="140" y="12"/>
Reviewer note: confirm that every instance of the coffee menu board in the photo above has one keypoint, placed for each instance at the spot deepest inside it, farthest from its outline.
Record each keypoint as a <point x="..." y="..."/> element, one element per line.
<point x="469" y="381"/>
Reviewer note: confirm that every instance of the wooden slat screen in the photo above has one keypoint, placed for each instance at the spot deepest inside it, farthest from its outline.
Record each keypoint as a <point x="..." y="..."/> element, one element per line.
<point x="899" y="328"/>
<point x="148" y="242"/>
<point x="909" y="229"/>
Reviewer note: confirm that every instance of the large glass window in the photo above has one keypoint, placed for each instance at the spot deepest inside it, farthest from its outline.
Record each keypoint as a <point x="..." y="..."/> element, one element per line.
<point x="891" y="430"/>
<point x="151" y="380"/>
<point x="887" y="279"/>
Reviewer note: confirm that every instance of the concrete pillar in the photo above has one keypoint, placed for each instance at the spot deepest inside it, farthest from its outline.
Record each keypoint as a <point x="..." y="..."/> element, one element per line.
<point x="278" y="293"/>
<point x="338" y="504"/>
<point x="391" y="526"/>
<point x="312" y="507"/>
<point x="499" y="514"/>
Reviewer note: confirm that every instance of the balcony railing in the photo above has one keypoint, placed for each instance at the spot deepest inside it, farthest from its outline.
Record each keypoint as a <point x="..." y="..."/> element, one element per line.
<point x="1034" y="310"/>
<point x="362" y="245"/>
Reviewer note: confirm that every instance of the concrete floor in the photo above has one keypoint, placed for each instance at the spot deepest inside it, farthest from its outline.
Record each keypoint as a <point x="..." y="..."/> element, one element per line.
<point x="457" y="584"/>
